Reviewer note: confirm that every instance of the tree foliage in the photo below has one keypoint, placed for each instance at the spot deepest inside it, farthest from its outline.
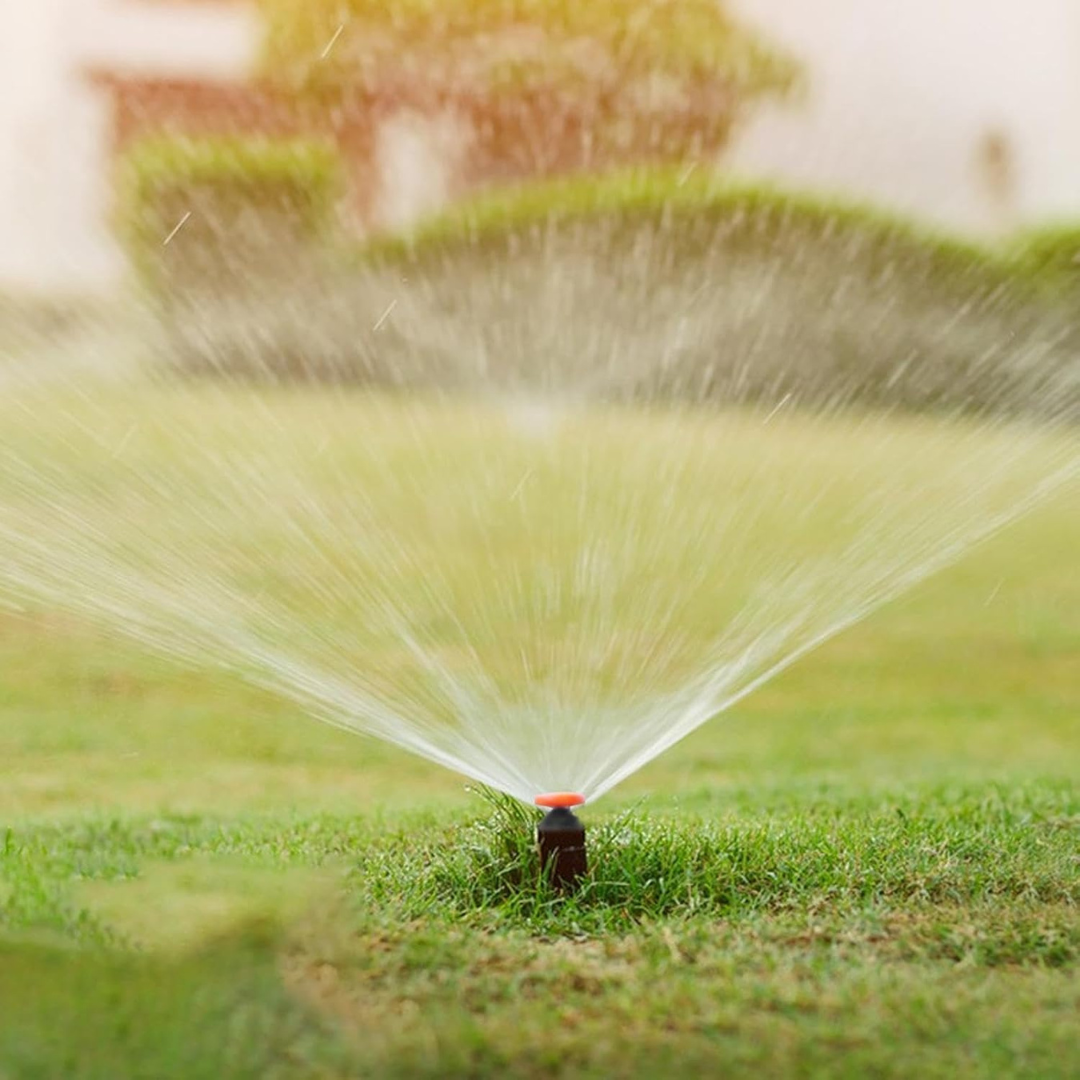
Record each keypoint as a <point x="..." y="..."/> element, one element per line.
<point x="548" y="83"/>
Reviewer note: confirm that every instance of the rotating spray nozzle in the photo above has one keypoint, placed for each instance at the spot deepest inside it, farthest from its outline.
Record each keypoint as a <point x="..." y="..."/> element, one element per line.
<point x="561" y="839"/>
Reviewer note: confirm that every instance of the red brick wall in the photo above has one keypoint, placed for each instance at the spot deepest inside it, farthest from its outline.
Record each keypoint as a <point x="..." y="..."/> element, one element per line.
<point x="144" y="107"/>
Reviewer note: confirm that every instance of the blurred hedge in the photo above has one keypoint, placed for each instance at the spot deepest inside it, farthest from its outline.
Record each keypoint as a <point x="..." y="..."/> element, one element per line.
<point x="655" y="282"/>
<point x="218" y="231"/>
<point x="639" y="284"/>
<point x="42" y="334"/>
<point x="1049" y="256"/>
<point x="28" y="319"/>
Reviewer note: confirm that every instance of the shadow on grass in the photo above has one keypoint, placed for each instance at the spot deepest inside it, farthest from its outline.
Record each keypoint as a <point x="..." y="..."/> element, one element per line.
<point x="219" y="1012"/>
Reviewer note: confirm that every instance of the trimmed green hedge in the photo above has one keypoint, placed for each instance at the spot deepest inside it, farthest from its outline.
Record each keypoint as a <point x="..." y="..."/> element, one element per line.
<point x="220" y="231"/>
<point x="670" y="194"/>
<point x="654" y="282"/>
<point x="1049" y="256"/>
<point x="236" y="197"/>
<point x="648" y="283"/>
<point x="28" y="320"/>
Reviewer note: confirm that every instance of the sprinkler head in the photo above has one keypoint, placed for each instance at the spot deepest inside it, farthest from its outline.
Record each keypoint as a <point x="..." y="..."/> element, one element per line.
<point x="554" y="799"/>
<point x="560" y="837"/>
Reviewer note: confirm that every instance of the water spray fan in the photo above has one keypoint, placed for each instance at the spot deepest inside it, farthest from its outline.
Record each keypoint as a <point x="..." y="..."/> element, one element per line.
<point x="626" y="477"/>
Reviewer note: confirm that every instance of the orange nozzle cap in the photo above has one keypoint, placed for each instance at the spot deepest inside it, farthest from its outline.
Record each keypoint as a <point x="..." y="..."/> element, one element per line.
<point x="557" y="799"/>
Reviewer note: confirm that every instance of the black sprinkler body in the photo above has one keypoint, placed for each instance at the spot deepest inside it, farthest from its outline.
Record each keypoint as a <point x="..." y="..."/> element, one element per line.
<point x="561" y="840"/>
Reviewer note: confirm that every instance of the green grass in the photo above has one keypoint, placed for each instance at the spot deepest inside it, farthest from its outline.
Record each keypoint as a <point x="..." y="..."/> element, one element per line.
<point x="869" y="868"/>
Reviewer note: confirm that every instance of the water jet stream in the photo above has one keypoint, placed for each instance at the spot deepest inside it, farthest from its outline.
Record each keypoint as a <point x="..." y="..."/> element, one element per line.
<point x="545" y="572"/>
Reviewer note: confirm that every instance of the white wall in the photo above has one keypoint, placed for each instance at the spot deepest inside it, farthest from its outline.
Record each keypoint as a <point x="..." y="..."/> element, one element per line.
<point x="54" y="125"/>
<point x="418" y="158"/>
<point x="34" y="59"/>
<point x="161" y="38"/>
<point x="903" y="94"/>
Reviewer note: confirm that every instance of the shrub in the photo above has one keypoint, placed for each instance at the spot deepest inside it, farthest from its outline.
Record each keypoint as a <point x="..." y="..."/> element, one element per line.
<point x="29" y="319"/>
<point x="654" y="282"/>
<point x="220" y="231"/>
<point x="648" y="283"/>
<point x="1050" y="256"/>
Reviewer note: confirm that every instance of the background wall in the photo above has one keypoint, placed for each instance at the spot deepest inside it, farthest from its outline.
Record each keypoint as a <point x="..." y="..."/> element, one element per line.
<point x="967" y="111"/>
<point x="54" y="123"/>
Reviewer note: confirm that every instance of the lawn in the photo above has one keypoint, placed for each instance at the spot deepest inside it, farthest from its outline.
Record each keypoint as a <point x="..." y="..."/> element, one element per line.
<point x="870" y="866"/>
